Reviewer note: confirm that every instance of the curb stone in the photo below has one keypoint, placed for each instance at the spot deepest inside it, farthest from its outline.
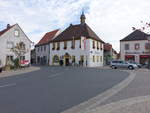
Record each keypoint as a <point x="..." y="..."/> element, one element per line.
<point x="22" y="71"/>
<point x="89" y="105"/>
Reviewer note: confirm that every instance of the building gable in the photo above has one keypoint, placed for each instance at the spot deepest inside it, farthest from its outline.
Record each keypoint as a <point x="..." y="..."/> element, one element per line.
<point x="10" y="31"/>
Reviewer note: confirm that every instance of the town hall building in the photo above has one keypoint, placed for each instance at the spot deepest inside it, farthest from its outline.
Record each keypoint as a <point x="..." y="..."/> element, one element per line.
<point x="77" y="45"/>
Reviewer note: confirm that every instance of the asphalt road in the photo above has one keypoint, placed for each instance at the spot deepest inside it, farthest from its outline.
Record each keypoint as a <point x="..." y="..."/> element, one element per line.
<point x="54" y="89"/>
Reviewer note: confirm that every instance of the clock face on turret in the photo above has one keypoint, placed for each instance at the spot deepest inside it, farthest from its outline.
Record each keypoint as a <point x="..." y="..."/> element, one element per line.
<point x="16" y="33"/>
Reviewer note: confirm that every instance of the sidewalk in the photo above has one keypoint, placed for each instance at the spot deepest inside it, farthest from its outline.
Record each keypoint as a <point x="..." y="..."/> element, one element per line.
<point x="131" y="105"/>
<point x="16" y="72"/>
<point x="135" y="98"/>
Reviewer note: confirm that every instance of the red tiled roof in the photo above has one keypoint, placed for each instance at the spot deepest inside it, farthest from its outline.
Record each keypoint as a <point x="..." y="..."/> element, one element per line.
<point x="5" y="30"/>
<point x="47" y="37"/>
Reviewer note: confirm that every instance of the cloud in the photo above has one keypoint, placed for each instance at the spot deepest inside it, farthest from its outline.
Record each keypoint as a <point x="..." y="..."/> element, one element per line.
<point x="111" y="20"/>
<point x="40" y="15"/>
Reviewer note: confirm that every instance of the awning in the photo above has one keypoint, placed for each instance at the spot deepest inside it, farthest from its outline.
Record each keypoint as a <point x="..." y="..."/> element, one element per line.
<point x="144" y="56"/>
<point x="129" y="56"/>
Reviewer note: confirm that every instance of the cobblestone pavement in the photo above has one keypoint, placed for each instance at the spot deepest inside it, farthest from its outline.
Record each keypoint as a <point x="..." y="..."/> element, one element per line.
<point x="16" y="72"/>
<point x="140" y="86"/>
<point x="131" y="105"/>
<point x="135" y="98"/>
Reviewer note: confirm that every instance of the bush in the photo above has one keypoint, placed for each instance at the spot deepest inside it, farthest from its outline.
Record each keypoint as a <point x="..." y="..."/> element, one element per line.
<point x="16" y="63"/>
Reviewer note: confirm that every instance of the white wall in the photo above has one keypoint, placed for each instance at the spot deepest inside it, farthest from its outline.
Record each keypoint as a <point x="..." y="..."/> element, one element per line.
<point x="132" y="48"/>
<point x="88" y="52"/>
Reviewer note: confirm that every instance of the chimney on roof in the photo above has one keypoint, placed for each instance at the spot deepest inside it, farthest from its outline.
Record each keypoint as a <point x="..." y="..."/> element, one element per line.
<point x="8" y="26"/>
<point x="71" y="24"/>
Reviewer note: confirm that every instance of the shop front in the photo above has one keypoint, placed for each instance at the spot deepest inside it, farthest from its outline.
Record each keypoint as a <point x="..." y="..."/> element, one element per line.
<point x="129" y="58"/>
<point x="144" y="59"/>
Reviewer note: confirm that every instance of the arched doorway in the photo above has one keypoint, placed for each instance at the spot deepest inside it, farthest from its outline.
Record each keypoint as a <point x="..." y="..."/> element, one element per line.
<point x="66" y="59"/>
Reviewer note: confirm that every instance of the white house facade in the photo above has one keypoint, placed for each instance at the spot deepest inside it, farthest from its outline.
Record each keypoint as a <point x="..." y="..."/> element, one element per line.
<point x="77" y="45"/>
<point x="10" y="37"/>
<point x="136" y="47"/>
<point x="42" y="48"/>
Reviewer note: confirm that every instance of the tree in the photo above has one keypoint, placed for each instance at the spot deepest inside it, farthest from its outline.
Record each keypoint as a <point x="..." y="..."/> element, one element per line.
<point x="19" y="50"/>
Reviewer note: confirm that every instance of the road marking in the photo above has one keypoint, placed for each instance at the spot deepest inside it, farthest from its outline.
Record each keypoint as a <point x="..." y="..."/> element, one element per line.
<point x="54" y="75"/>
<point x="7" y="85"/>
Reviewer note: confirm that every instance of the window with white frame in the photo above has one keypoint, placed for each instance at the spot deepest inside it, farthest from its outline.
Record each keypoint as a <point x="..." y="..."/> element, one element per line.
<point x="10" y="44"/>
<point x="126" y="46"/>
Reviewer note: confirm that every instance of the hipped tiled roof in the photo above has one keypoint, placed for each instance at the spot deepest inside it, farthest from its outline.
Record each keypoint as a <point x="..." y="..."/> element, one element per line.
<point x="136" y="35"/>
<point x="76" y="31"/>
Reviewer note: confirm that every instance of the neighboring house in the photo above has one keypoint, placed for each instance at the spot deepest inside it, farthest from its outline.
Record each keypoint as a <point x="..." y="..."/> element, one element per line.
<point x="136" y="47"/>
<point x="42" y="48"/>
<point x="77" y="45"/>
<point x="9" y="38"/>
<point x="109" y="53"/>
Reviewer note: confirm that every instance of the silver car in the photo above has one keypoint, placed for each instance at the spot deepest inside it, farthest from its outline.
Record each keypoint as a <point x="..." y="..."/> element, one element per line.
<point x="122" y="64"/>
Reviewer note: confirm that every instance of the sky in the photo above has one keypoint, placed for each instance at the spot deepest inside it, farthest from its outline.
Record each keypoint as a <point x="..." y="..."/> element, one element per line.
<point x="111" y="20"/>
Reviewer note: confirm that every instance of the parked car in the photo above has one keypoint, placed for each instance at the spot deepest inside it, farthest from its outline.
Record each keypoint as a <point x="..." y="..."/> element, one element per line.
<point x="0" y="66"/>
<point x="122" y="64"/>
<point x="138" y="64"/>
<point x="25" y="63"/>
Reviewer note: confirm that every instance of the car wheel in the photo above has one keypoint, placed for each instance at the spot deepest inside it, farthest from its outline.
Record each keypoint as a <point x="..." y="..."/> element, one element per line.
<point x="0" y="70"/>
<point x="131" y="67"/>
<point x="114" y="67"/>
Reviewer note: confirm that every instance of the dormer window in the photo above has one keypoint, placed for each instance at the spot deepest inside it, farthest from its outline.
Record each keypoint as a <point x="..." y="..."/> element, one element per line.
<point x="65" y="44"/>
<point x="98" y="45"/>
<point x="73" y="44"/>
<point x="53" y="46"/>
<point x="101" y="46"/>
<point x="16" y="32"/>
<point x="93" y="44"/>
<point x="58" y="45"/>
